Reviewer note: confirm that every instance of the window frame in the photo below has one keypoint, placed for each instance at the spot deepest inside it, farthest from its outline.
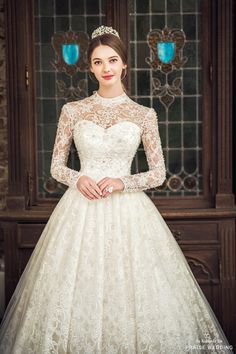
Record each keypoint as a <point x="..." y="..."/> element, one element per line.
<point x="21" y="106"/>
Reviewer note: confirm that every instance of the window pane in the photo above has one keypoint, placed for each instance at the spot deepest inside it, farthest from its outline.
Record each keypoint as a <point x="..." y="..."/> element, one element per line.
<point x="179" y="123"/>
<point x="55" y="16"/>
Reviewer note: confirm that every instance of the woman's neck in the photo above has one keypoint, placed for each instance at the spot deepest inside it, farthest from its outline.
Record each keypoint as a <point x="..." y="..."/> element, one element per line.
<point x="110" y="92"/>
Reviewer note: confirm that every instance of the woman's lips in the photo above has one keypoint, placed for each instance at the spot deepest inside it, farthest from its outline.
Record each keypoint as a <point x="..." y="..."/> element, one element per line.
<point x="108" y="77"/>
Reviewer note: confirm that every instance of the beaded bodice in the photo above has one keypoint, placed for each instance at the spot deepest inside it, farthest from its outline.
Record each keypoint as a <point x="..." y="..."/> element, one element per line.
<point x="107" y="133"/>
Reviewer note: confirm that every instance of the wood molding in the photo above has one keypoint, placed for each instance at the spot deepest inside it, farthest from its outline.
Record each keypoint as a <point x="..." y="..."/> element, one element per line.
<point x="223" y="49"/>
<point x="228" y="274"/>
<point x="13" y="93"/>
<point x="18" y="100"/>
<point x="43" y="214"/>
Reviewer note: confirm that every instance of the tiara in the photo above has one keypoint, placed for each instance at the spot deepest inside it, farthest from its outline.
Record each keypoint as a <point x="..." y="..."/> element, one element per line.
<point x="102" y="30"/>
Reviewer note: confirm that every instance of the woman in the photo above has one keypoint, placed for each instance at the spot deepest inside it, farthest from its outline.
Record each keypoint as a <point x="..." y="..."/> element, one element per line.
<point x="107" y="275"/>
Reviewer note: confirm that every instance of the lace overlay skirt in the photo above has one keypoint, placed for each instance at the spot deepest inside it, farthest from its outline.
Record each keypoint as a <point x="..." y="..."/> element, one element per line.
<point x="107" y="276"/>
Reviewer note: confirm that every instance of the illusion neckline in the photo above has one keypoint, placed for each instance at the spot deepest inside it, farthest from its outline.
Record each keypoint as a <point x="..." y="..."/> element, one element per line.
<point x="110" y="100"/>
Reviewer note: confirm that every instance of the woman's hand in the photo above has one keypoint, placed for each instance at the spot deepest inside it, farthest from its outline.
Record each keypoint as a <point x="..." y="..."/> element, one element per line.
<point x="117" y="184"/>
<point x="89" y="188"/>
<point x="92" y="190"/>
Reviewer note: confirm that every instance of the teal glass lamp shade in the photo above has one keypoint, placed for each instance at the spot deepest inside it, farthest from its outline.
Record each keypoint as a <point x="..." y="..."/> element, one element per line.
<point x="166" y="51"/>
<point x="70" y="53"/>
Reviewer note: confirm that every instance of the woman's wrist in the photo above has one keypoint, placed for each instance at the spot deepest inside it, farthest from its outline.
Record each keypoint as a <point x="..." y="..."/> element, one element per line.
<point x="122" y="184"/>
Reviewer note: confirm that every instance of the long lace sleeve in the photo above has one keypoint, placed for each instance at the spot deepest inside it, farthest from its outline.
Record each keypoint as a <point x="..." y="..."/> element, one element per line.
<point x="61" y="150"/>
<point x="156" y="174"/>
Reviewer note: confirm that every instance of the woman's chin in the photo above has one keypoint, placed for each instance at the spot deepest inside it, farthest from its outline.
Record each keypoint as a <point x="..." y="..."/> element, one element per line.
<point x="108" y="83"/>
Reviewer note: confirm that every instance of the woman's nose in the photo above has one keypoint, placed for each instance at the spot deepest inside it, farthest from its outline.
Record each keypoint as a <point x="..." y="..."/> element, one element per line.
<point x="106" y="67"/>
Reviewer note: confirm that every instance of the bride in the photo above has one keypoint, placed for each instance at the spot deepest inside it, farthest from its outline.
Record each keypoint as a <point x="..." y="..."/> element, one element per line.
<point x="107" y="275"/>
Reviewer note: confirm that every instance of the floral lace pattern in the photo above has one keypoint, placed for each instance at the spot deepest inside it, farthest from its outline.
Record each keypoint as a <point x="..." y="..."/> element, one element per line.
<point x="63" y="141"/>
<point x="106" y="113"/>
<point x="153" y="149"/>
<point x="108" y="277"/>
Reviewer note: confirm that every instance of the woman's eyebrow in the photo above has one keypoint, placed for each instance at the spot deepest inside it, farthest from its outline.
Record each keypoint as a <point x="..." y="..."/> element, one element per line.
<point x="114" y="56"/>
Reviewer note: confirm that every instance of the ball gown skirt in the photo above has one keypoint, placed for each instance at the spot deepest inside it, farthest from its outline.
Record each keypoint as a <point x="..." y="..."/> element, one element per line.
<point x="107" y="276"/>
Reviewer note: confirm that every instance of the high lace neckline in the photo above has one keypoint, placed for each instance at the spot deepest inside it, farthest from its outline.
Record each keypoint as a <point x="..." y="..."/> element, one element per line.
<point x="110" y="100"/>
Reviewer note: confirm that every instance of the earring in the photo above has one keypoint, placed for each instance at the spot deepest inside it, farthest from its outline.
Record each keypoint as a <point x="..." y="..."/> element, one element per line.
<point x="92" y="77"/>
<point x="125" y="74"/>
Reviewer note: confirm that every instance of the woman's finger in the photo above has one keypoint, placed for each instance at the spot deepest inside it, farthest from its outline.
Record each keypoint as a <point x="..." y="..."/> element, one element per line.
<point x="96" y="190"/>
<point x="92" y="190"/>
<point x="88" y="192"/>
<point x="85" y="194"/>
<point x="105" y="192"/>
<point x="102" y="181"/>
<point x="105" y="184"/>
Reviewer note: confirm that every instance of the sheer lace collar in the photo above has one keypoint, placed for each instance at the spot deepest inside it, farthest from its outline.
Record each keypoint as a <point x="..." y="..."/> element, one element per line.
<point x="111" y="100"/>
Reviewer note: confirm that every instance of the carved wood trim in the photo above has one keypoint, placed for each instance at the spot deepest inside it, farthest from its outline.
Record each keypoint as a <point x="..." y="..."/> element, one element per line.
<point x="198" y="265"/>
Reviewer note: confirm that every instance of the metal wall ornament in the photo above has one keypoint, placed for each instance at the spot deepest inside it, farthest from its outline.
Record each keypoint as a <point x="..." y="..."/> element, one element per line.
<point x="166" y="46"/>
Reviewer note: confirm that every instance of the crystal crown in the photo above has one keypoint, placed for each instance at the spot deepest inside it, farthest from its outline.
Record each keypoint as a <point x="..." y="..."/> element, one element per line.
<point x="102" y="30"/>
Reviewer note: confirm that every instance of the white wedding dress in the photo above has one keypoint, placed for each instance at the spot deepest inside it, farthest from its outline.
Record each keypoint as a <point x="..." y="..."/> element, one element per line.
<point x="107" y="275"/>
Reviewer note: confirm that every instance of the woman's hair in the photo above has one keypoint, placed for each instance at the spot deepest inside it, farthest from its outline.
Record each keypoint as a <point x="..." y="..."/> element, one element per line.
<point x="110" y="40"/>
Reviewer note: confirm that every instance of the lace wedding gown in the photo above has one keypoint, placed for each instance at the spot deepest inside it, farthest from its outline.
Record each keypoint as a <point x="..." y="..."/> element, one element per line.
<point x="107" y="275"/>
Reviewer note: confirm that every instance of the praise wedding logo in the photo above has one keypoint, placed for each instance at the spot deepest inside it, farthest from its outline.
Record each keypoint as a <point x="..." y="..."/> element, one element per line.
<point x="208" y="344"/>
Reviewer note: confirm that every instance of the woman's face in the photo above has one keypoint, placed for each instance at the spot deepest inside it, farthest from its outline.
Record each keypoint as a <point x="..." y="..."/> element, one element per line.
<point x="106" y="65"/>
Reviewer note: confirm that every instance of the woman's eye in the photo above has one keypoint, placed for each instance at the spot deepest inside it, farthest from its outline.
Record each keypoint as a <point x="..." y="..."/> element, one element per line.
<point x="98" y="61"/>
